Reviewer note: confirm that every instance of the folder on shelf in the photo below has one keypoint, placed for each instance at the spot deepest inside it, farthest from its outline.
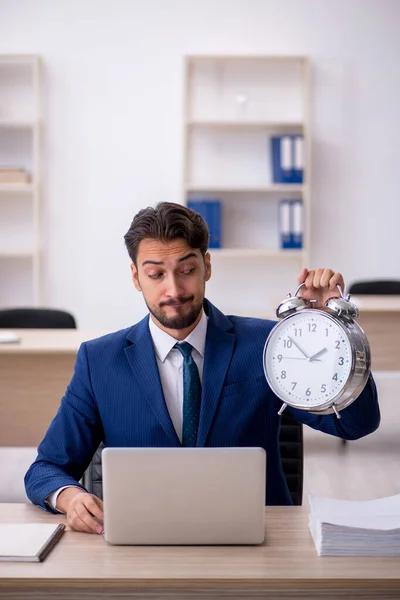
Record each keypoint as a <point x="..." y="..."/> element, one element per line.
<point x="298" y="157"/>
<point x="297" y="223"/>
<point x="291" y="224"/>
<point x="285" y="229"/>
<point x="211" y="211"/>
<point x="287" y="152"/>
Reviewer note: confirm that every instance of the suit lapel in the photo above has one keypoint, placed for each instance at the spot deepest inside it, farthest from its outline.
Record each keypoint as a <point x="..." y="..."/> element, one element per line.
<point x="218" y="353"/>
<point x="142" y="360"/>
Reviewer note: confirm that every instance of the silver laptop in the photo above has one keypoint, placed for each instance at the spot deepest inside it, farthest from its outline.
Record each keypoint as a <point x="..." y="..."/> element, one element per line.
<point x="184" y="495"/>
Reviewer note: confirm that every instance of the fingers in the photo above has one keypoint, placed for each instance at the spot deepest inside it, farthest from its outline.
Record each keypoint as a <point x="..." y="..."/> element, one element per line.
<point x="322" y="279"/>
<point x="84" y="513"/>
<point x="302" y="276"/>
<point x="94" y="506"/>
<point x="337" y="280"/>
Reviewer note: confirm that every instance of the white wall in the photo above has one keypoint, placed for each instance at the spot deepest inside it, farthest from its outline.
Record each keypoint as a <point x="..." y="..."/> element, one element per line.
<point x="113" y="106"/>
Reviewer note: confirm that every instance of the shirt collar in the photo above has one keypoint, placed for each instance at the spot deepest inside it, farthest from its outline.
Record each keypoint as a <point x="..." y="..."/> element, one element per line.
<point x="163" y="342"/>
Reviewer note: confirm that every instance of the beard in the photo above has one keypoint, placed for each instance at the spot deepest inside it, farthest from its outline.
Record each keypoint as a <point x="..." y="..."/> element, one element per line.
<point x="183" y="318"/>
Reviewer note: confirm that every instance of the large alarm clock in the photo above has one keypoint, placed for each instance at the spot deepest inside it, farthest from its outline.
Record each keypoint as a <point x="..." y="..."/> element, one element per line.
<point x="317" y="359"/>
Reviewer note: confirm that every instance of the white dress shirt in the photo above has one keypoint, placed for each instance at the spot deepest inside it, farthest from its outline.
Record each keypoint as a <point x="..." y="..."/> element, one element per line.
<point x="170" y="366"/>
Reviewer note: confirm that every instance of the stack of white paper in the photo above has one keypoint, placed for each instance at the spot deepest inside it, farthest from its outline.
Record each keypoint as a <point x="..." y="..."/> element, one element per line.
<point x="9" y="337"/>
<point x="355" y="528"/>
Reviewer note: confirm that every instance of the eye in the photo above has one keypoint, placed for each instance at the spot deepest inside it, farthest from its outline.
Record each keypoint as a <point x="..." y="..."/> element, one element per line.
<point x="155" y="275"/>
<point x="189" y="271"/>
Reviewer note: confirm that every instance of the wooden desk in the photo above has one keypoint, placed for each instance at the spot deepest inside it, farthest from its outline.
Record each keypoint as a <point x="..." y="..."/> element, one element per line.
<point x="380" y="319"/>
<point x="34" y="375"/>
<point x="286" y="566"/>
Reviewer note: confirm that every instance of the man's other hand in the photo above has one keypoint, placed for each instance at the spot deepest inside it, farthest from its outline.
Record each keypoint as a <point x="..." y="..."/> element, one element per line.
<point x="320" y="285"/>
<point x="84" y="511"/>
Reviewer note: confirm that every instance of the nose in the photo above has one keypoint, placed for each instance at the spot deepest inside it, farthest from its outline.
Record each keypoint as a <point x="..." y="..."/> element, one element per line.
<point x="173" y="287"/>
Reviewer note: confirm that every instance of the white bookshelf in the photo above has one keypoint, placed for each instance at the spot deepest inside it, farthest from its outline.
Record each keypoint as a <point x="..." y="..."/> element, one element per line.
<point x="233" y="105"/>
<point x="288" y="188"/>
<point x="20" y="210"/>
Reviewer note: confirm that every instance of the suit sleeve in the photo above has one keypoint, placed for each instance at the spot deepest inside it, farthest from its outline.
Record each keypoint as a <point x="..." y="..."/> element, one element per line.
<point x="71" y="440"/>
<point x="357" y="420"/>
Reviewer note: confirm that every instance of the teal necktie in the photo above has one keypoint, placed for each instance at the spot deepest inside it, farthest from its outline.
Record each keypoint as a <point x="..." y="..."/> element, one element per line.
<point x="191" y="395"/>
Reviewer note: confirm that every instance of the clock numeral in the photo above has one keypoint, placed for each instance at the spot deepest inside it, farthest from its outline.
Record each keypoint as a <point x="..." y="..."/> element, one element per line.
<point x="341" y="360"/>
<point x="287" y="343"/>
<point x="283" y="374"/>
<point x="323" y="388"/>
<point x="279" y="357"/>
<point x="313" y="327"/>
<point x="335" y="377"/>
<point x="297" y="330"/>
<point x="308" y="392"/>
<point x="337" y="345"/>
<point x="327" y="332"/>
<point x="294" y="383"/>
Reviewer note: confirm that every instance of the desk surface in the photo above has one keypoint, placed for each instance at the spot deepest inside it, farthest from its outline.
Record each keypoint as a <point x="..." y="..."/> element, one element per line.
<point x="373" y="303"/>
<point x="40" y="341"/>
<point x="287" y="562"/>
<point x="366" y="303"/>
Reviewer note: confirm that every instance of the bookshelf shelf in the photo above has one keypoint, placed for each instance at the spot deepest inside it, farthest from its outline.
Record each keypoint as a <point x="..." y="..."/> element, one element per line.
<point x="268" y="189"/>
<point x="20" y="152"/>
<point x="246" y="124"/>
<point x="17" y="124"/>
<point x="17" y="253"/>
<point x="17" y="188"/>
<point x="254" y="253"/>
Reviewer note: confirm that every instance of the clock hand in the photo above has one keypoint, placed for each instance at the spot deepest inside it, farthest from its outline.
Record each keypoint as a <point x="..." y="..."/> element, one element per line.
<point x="299" y="348"/>
<point x="299" y="358"/>
<point x="313" y="357"/>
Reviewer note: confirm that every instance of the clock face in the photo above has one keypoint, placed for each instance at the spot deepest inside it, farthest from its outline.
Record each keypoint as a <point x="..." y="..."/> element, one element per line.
<point x="307" y="359"/>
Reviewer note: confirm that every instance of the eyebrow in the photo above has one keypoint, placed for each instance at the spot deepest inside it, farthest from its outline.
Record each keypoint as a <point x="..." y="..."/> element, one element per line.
<point x="160" y="262"/>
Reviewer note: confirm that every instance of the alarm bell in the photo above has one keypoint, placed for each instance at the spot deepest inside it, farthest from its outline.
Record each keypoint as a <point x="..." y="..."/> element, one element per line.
<point x="341" y="307"/>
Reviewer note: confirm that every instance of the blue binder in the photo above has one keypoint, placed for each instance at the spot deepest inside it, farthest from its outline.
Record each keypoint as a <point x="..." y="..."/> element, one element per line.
<point x="285" y="224"/>
<point x="211" y="211"/>
<point x="297" y="223"/>
<point x="287" y="152"/>
<point x="290" y="220"/>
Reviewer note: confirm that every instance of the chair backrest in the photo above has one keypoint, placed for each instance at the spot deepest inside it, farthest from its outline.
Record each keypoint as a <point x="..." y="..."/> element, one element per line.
<point x="291" y="449"/>
<point x="384" y="287"/>
<point x="36" y="318"/>
<point x="292" y="456"/>
<point x="14" y="463"/>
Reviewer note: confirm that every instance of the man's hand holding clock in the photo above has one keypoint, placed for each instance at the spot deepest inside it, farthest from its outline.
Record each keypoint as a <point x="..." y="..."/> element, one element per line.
<point x="320" y="285"/>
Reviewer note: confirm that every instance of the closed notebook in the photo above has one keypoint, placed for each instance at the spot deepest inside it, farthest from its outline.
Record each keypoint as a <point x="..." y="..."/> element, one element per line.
<point x="28" y="542"/>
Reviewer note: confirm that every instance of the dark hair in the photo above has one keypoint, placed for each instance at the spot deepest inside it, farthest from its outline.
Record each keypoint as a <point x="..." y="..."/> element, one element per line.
<point x="166" y="222"/>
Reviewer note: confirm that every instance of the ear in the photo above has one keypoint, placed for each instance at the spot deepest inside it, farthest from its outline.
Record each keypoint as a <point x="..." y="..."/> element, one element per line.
<point x="207" y="264"/>
<point x="135" y="277"/>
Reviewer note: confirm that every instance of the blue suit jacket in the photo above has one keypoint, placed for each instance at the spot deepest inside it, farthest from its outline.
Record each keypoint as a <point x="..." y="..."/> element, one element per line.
<point x="115" y="396"/>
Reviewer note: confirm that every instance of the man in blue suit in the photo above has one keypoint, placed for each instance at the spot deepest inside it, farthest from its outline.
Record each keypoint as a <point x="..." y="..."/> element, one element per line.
<point x="184" y="375"/>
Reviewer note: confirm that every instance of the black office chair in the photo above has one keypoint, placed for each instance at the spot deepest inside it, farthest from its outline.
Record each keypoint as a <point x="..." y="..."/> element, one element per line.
<point x="291" y="448"/>
<point x="374" y="287"/>
<point x="292" y="456"/>
<point x="36" y="318"/>
<point x="386" y="287"/>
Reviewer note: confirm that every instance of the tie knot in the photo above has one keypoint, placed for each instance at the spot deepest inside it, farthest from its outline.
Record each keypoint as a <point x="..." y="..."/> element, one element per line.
<point x="184" y="348"/>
